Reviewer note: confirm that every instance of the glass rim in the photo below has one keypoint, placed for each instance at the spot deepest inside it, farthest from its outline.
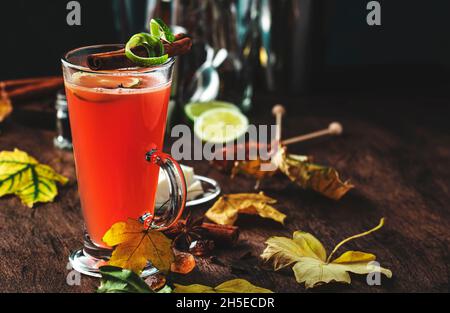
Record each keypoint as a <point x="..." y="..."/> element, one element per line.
<point x="130" y="70"/>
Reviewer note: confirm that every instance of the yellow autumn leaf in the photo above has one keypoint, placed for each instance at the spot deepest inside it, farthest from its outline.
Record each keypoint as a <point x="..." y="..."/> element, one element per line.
<point x="324" y="180"/>
<point x="284" y="251"/>
<point x="195" y="288"/>
<point x="135" y="245"/>
<point x="231" y="286"/>
<point x="312" y="267"/>
<point x="310" y="245"/>
<point x="355" y="256"/>
<point x="24" y="176"/>
<point x="226" y="209"/>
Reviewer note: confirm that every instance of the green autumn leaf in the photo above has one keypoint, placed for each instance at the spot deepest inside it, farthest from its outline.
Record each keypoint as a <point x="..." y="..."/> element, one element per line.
<point x="324" y="180"/>
<point x="22" y="175"/>
<point x="230" y="286"/>
<point x="311" y="266"/>
<point x="118" y="280"/>
<point x="135" y="245"/>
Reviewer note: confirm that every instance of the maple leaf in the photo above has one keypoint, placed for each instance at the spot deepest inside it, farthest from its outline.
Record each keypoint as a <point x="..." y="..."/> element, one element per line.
<point x="231" y="286"/>
<point x="136" y="244"/>
<point x="22" y="175"/>
<point x="226" y="209"/>
<point x="311" y="265"/>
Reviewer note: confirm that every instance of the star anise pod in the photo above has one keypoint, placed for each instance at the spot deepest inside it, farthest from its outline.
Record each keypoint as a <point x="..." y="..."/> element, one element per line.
<point x="187" y="232"/>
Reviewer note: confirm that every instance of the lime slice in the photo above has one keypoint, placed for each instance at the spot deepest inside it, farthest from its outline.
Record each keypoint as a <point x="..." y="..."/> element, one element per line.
<point x="194" y="109"/>
<point x="220" y="125"/>
<point x="104" y="81"/>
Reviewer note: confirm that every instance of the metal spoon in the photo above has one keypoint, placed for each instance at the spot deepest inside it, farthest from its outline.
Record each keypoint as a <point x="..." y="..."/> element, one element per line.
<point x="206" y="80"/>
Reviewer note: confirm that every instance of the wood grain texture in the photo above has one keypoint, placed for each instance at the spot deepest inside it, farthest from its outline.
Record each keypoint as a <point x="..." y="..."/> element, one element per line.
<point x="397" y="156"/>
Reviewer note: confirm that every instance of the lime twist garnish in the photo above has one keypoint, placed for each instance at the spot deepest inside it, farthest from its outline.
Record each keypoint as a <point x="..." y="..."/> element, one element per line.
<point x="159" y="29"/>
<point x="152" y="43"/>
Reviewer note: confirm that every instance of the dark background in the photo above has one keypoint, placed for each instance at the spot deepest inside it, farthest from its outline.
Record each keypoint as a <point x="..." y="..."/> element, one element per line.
<point x="409" y="52"/>
<point x="35" y="34"/>
<point x="392" y="83"/>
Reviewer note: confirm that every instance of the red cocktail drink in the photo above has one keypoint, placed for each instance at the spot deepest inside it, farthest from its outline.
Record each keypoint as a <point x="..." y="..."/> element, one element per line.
<point x="112" y="130"/>
<point x="118" y="122"/>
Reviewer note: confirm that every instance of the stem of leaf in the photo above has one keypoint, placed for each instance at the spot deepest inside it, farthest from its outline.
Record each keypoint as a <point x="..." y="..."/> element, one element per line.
<point x="354" y="237"/>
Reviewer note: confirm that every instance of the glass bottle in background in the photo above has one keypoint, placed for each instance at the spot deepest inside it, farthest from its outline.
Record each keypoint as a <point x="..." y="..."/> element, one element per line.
<point x="63" y="139"/>
<point x="224" y="26"/>
<point x="235" y="29"/>
<point x="269" y="44"/>
<point x="185" y="67"/>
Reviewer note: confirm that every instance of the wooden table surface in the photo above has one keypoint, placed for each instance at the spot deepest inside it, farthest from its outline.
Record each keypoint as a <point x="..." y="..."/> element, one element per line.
<point x="396" y="153"/>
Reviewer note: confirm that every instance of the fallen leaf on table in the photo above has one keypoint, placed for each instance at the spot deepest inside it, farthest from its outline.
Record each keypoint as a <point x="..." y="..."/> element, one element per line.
<point x="22" y="175"/>
<point x="252" y="168"/>
<point x="118" y="280"/>
<point x="324" y="180"/>
<point x="136" y="244"/>
<point x="227" y="208"/>
<point x="311" y="265"/>
<point x="231" y="286"/>
<point x="184" y="263"/>
<point x="299" y="169"/>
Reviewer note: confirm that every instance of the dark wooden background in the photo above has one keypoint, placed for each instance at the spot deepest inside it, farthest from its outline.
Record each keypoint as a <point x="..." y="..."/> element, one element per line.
<point x="395" y="150"/>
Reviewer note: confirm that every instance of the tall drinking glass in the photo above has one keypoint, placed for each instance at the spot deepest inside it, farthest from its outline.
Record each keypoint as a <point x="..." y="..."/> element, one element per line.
<point x="118" y="120"/>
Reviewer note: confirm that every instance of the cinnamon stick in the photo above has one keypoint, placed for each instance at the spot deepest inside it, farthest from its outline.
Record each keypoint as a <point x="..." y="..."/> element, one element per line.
<point x="27" y="91"/>
<point x="222" y="234"/>
<point x="117" y="59"/>
<point x="15" y="83"/>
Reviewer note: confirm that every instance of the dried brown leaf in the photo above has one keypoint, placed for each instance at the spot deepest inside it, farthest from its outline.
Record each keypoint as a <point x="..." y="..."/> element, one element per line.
<point x="324" y="180"/>
<point x="227" y="208"/>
